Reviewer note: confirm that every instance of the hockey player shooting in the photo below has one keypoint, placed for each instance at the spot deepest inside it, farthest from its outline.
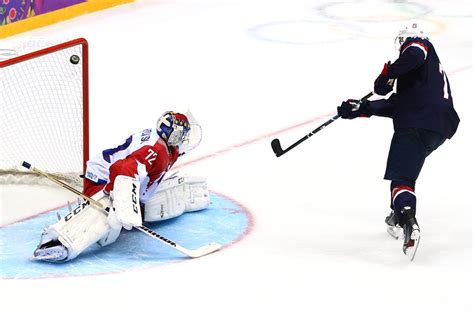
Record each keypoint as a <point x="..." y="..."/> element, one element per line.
<point x="423" y="117"/>
<point x="125" y="180"/>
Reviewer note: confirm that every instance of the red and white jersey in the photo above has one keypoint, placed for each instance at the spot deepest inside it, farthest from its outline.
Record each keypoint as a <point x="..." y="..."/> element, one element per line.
<point x="144" y="156"/>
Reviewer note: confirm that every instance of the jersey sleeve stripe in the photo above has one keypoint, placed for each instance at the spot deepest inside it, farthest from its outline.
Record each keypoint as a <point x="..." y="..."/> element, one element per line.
<point x="420" y="46"/>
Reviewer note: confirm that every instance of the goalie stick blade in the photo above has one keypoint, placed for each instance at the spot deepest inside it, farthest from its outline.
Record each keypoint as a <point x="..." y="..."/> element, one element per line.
<point x="204" y="250"/>
<point x="276" y="147"/>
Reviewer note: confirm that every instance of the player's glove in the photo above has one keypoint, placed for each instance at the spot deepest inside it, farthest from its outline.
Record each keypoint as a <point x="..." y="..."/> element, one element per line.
<point x="383" y="84"/>
<point x="351" y="109"/>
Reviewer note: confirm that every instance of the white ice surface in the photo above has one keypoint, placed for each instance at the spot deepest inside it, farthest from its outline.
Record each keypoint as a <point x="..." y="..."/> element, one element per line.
<point x="19" y="202"/>
<point x="248" y="69"/>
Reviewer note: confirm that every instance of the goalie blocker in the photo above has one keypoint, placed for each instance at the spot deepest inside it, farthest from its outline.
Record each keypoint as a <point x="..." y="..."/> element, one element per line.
<point x="86" y="225"/>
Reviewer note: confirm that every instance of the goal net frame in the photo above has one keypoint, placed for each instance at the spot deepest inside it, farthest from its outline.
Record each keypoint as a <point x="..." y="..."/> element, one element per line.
<point x="17" y="175"/>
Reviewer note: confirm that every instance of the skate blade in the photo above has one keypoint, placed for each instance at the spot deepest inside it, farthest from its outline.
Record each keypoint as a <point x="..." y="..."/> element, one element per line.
<point x="410" y="251"/>
<point x="46" y="257"/>
<point x="49" y="255"/>
<point x="394" y="231"/>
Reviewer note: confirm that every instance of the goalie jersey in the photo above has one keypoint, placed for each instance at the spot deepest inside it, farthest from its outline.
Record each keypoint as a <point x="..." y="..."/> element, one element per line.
<point x="423" y="98"/>
<point x="144" y="156"/>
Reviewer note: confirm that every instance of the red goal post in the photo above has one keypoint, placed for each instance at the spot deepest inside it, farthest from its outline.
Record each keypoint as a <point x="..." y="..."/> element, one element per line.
<point x="44" y="103"/>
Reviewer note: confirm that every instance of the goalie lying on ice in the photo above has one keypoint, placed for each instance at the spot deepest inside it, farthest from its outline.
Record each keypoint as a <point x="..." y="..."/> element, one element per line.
<point x="128" y="181"/>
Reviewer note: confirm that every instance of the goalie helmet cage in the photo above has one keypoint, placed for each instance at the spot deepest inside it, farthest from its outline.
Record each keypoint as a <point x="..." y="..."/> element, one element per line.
<point x="44" y="101"/>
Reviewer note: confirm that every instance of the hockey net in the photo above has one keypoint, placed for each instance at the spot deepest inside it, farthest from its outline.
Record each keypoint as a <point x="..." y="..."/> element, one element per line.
<point x="44" y="111"/>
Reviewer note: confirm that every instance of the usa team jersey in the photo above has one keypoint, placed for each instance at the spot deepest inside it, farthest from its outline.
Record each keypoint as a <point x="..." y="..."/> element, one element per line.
<point x="423" y="98"/>
<point x="144" y="156"/>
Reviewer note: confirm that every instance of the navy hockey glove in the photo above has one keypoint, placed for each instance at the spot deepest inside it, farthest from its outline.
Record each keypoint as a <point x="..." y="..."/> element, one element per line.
<point x="351" y="109"/>
<point x="383" y="84"/>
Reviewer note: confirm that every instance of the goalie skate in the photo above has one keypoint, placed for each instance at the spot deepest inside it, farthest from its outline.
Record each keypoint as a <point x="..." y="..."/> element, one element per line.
<point x="53" y="251"/>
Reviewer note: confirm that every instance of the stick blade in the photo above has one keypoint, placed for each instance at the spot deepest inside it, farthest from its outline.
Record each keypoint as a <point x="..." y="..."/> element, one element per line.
<point x="276" y="147"/>
<point x="204" y="250"/>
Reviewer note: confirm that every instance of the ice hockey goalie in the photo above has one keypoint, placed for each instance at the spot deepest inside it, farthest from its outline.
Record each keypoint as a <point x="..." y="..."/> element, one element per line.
<point x="128" y="181"/>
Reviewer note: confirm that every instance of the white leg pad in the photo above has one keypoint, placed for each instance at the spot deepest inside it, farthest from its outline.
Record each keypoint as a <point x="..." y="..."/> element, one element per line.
<point x="177" y="195"/>
<point x="126" y="204"/>
<point x="83" y="227"/>
<point x="109" y="237"/>
<point x="196" y="193"/>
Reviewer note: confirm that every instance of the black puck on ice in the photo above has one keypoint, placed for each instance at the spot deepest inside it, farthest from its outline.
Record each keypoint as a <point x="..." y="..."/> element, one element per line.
<point x="74" y="59"/>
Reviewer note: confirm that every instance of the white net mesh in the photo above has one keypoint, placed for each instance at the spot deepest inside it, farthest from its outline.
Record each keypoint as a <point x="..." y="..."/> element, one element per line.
<point x="42" y="113"/>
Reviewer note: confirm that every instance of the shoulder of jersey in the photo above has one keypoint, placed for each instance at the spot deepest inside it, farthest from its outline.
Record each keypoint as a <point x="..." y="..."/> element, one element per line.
<point x="159" y="145"/>
<point x="417" y="43"/>
<point x="146" y="136"/>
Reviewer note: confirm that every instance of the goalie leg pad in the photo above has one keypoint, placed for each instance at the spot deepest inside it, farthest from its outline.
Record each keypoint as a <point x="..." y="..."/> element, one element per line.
<point x="175" y="196"/>
<point x="109" y="237"/>
<point x="196" y="193"/>
<point x="82" y="227"/>
<point x="125" y="202"/>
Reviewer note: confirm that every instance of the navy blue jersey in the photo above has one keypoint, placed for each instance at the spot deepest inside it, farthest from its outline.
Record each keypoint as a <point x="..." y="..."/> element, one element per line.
<point x="423" y="98"/>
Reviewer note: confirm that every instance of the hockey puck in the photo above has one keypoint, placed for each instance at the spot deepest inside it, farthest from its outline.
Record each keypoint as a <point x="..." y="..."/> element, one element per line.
<point x="74" y="59"/>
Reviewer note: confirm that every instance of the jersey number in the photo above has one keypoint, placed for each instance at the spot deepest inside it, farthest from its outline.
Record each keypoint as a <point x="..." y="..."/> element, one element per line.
<point x="445" y="83"/>
<point x="151" y="156"/>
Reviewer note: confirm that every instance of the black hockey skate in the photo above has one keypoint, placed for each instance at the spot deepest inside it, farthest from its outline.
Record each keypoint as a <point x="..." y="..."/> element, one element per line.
<point x="411" y="232"/>
<point x="393" y="228"/>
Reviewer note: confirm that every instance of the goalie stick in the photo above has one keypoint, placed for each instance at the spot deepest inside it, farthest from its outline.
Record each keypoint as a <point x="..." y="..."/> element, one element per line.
<point x="278" y="150"/>
<point x="193" y="253"/>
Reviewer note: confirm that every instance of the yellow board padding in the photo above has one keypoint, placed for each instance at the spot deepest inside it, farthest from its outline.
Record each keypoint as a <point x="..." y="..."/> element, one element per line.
<point x="57" y="16"/>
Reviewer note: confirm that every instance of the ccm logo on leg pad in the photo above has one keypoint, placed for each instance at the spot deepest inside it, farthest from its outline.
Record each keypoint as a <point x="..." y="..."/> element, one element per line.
<point x="134" y="198"/>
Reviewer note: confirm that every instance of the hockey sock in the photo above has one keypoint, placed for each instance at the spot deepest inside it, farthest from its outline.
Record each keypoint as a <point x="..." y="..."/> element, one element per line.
<point x="403" y="196"/>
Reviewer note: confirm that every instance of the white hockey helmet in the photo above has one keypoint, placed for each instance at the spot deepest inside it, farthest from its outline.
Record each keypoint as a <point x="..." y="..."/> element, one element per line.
<point x="412" y="31"/>
<point x="173" y="128"/>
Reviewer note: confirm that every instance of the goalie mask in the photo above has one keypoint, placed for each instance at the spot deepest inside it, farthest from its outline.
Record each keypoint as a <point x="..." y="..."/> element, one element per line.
<point x="177" y="131"/>
<point x="410" y="31"/>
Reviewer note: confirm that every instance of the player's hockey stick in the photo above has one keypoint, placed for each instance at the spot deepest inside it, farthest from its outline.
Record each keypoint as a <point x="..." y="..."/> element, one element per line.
<point x="194" y="253"/>
<point x="278" y="150"/>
